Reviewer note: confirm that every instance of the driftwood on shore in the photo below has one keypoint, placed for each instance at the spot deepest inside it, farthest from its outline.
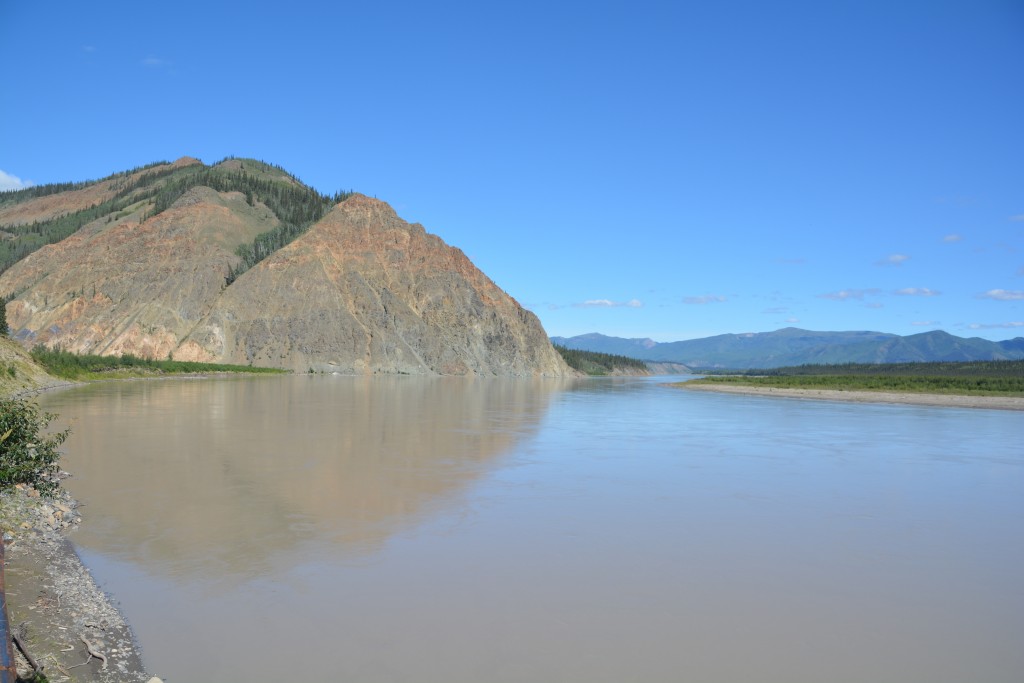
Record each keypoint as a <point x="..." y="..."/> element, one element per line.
<point x="24" y="653"/>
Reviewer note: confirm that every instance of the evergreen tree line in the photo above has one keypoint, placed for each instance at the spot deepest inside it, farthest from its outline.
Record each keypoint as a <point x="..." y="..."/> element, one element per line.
<point x="296" y="206"/>
<point x="128" y="185"/>
<point x="28" y="238"/>
<point x="262" y="166"/>
<point x="593" y="363"/>
<point x="24" y="194"/>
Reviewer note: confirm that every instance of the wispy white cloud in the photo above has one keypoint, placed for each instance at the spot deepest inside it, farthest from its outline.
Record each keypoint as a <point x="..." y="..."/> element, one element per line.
<point x="892" y="260"/>
<point x="777" y="310"/>
<point x="845" y="294"/>
<point x="1003" y="295"/>
<point x="89" y="48"/>
<point x="1018" y="217"/>
<point x="13" y="182"/>
<point x="706" y="299"/>
<point x="996" y="326"/>
<point x="925" y="323"/>
<point x="952" y="238"/>
<point x="792" y="320"/>
<point x="874" y="304"/>
<point x="155" y="62"/>
<point x="916" y="291"/>
<point x="608" y="303"/>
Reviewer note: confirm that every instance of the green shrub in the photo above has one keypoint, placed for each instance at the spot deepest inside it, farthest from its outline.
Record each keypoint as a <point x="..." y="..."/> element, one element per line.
<point x="28" y="454"/>
<point x="73" y="366"/>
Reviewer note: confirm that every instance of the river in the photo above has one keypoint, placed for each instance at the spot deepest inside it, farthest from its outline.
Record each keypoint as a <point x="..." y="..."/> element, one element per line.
<point x="443" y="530"/>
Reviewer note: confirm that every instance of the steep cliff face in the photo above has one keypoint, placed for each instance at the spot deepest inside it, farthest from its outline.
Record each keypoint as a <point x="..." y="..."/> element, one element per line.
<point x="361" y="291"/>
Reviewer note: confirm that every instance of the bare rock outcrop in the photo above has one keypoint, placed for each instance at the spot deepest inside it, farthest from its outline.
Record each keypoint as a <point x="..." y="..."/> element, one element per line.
<point x="362" y="292"/>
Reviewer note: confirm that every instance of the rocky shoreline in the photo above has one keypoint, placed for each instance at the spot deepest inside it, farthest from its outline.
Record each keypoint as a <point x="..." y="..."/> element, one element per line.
<point x="66" y="623"/>
<point x="946" y="400"/>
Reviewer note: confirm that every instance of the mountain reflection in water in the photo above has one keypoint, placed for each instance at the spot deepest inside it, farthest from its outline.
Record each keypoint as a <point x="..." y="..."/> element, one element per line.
<point x="225" y="478"/>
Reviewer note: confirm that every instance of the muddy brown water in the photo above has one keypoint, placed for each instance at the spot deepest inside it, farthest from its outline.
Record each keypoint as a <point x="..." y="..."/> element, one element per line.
<point x="449" y="530"/>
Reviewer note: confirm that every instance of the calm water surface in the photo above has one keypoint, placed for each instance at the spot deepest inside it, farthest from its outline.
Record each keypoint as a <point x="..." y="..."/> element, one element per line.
<point x="489" y="531"/>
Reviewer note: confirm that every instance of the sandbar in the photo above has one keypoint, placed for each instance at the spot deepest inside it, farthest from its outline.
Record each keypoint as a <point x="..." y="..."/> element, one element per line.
<point x="912" y="398"/>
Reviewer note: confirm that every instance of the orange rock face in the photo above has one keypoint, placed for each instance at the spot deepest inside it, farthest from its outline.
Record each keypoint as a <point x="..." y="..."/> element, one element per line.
<point x="363" y="291"/>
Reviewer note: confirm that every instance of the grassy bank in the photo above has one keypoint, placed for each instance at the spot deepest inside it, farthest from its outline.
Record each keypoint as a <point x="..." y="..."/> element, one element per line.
<point x="75" y="367"/>
<point x="961" y="379"/>
<point x="985" y="368"/>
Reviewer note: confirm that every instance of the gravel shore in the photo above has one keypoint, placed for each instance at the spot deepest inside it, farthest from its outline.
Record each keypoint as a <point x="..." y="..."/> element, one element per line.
<point x="947" y="400"/>
<point x="55" y="606"/>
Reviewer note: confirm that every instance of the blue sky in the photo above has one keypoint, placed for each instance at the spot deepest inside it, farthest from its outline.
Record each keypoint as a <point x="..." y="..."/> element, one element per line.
<point x="643" y="169"/>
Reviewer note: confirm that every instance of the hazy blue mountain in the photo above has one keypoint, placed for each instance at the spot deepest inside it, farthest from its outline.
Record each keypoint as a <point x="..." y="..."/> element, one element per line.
<point x="793" y="346"/>
<point x="633" y="348"/>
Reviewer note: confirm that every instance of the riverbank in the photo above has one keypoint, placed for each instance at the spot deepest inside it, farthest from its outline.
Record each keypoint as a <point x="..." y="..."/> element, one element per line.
<point x="912" y="398"/>
<point x="67" y="624"/>
<point x="43" y="388"/>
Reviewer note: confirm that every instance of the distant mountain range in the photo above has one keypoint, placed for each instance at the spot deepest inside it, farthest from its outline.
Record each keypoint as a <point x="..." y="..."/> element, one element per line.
<point x="793" y="346"/>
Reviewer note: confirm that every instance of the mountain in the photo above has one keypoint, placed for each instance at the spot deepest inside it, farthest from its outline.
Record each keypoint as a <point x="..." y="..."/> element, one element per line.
<point x="631" y="348"/>
<point x="793" y="346"/>
<point x="240" y="262"/>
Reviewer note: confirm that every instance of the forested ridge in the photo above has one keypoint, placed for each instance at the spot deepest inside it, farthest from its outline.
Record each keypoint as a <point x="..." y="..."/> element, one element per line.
<point x="296" y="206"/>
